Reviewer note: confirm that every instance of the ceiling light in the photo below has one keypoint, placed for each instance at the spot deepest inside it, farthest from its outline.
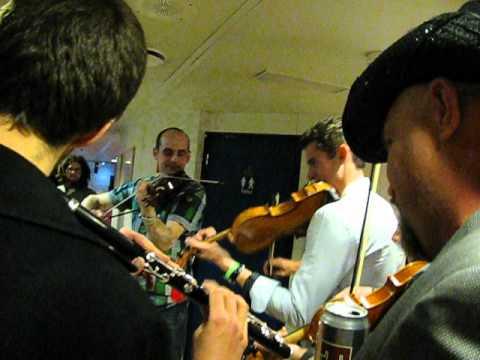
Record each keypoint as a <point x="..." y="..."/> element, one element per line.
<point x="155" y="57"/>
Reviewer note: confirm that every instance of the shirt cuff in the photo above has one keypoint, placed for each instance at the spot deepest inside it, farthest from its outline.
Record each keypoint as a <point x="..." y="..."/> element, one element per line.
<point x="261" y="293"/>
<point x="189" y="227"/>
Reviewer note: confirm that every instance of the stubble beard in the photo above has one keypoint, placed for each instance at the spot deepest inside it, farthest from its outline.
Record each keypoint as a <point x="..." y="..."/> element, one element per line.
<point x="410" y="242"/>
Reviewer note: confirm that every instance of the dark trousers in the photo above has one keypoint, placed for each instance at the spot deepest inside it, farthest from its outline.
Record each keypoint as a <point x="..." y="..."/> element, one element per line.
<point x="175" y="318"/>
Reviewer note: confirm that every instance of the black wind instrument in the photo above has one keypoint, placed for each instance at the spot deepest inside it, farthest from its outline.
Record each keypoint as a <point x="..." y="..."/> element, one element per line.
<point x="126" y="251"/>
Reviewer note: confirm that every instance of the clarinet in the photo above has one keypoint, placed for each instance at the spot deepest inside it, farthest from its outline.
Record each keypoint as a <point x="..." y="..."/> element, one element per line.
<point x="126" y="250"/>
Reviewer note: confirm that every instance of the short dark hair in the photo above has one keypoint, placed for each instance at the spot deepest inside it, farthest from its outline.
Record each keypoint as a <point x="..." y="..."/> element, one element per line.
<point x="158" y="141"/>
<point x="327" y="136"/>
<point x="62" y="170"/>
<point x="67" y="67"/>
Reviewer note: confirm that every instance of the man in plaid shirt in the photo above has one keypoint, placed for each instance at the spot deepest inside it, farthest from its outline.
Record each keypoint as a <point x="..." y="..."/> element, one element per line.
<point x="166" y="222"/>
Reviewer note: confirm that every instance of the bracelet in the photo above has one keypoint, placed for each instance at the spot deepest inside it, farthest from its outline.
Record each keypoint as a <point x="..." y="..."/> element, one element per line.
<point x="148" y="220"/>
<point x="237" y="272"/>
<point x="249" y="284"/>
<point x="235" y="265"/>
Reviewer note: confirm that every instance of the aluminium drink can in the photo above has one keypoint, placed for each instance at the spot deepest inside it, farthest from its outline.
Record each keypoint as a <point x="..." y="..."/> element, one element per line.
<point x="342" y="329"/>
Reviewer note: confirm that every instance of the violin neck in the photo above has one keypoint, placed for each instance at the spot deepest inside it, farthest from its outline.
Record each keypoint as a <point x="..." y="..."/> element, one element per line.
<point x="220" y="236"/>
<point x="297" y="335"/>
<point x="187" y="253"/>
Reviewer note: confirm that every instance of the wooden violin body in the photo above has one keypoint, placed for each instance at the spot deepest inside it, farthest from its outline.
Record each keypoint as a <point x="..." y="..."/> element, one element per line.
<point x="380" y="300"/>
<point x="258" y="227"/>
<point x="376" y="303"/>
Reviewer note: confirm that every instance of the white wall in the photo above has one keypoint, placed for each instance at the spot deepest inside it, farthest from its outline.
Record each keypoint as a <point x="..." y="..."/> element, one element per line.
<point x="145" y="117"/>
<point x="149" y="119"/>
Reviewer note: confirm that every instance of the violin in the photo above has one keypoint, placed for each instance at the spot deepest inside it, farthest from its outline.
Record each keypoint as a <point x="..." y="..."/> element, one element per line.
<point x="376" y="303"/>
<point x="163" y="189"/>
<point x="258" y="227"/>
<point x="160" y="189"/>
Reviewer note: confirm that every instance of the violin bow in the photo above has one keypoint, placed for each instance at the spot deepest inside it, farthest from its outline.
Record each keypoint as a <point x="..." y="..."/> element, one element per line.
<point x="187" y="253"/>
<point x="362" y="246"/>
<point x="271" y="249"/>
<point x="155" y="178"/>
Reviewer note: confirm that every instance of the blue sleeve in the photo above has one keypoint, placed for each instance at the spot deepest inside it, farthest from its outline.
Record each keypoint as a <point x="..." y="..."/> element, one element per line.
<point x="122" y="192"/>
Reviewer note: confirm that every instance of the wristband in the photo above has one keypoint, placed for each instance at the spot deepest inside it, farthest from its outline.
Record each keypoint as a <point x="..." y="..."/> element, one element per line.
<point x="228" y="274"/>
<point x="149" y="220"/>
<point x="237" y="272"/>
<point x="248" y="285"/>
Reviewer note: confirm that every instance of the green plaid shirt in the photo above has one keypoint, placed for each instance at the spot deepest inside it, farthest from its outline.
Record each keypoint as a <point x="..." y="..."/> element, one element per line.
<point x="186" y="209"/>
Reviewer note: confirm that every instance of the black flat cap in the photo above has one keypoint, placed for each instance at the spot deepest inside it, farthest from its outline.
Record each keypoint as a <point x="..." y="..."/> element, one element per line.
<point x="446" y="46"/>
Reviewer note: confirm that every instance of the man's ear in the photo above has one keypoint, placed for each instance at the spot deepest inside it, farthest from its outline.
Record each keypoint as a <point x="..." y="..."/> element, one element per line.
<point x="445" y="107"/>
<point x="94" y="135"/>
<point x="342" y="152"/>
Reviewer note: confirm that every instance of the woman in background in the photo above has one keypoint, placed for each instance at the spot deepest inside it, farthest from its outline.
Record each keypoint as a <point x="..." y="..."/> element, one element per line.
<point x="73" y="175"/>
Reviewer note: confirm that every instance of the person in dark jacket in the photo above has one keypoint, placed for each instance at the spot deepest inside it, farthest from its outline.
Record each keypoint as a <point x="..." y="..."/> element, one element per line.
<point x="68" y="70"/>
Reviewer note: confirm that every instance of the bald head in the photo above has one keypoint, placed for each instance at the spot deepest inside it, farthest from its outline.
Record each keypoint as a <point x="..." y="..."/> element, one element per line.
<point x="171" y="131"/>
<point x="172" y="151"/>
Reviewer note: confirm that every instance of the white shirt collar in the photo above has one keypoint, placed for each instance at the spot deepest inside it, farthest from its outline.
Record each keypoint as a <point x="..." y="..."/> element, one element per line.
<point x="357" y="186"/>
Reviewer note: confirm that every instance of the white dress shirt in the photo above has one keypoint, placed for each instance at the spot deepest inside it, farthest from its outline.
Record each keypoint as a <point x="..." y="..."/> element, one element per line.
<point x="330" y="250"/>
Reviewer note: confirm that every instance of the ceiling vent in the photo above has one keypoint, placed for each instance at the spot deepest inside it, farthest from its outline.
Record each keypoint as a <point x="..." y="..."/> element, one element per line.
<point x="287" y="80"/>
<point x="155" y="57"/>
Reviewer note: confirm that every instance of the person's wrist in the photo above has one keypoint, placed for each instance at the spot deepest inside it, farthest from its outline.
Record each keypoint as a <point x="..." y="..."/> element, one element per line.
<point x="147" y="211"/>
<point x="148" y="218"/>
<point x="224" y="263"/>
<point x="232" y="272"/>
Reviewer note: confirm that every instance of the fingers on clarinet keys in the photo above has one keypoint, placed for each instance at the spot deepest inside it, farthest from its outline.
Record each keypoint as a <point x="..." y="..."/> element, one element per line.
<point x="89" y="202"/>
<point x="224" y="334"/>
<point x="140" y="265"/>
<point x="98" y="213"/>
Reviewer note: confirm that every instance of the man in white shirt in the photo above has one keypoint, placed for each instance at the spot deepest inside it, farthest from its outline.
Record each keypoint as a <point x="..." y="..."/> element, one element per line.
<point x="332" y="237"/>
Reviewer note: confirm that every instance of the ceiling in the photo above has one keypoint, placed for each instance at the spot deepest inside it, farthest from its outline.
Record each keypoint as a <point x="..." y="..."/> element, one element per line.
<point x="214" y="49"/>
<point x="308" y="48"/>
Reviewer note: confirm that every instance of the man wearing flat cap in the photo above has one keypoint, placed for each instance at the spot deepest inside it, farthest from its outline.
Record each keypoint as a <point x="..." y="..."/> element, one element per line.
<point x="417" y="107"/>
